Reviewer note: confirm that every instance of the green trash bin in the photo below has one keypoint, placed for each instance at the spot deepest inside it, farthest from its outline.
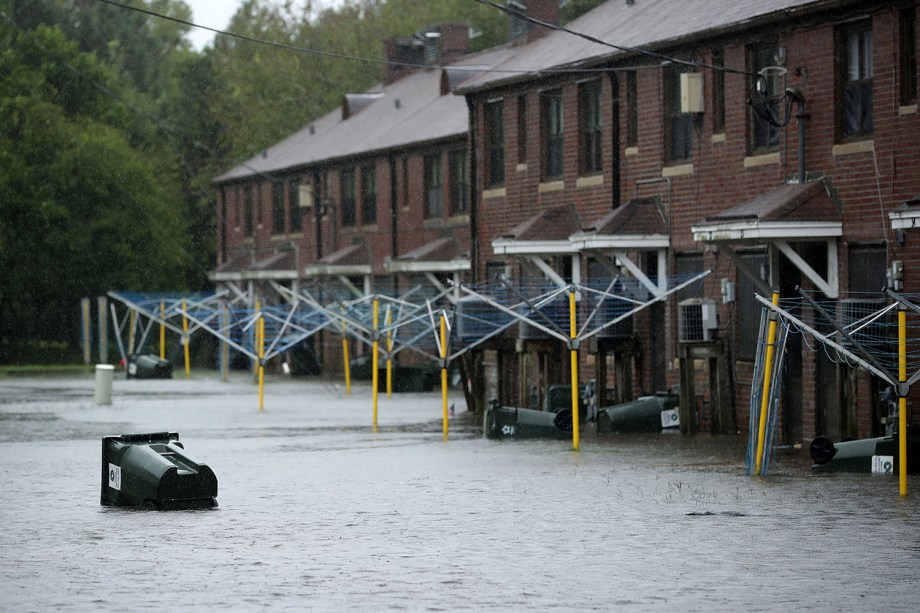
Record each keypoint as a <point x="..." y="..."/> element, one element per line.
<point x="559" y="396"/>
<point x="647" y="414"/>
<point x="154" y="471"/>
<point x="869" y="455"/>
<point x="516" y="423"/>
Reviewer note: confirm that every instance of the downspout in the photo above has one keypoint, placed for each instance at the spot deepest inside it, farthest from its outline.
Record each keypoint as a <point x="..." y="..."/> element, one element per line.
<point x="474" y="190"/>
<point x="802" y="115"/>
<point x="394" y="234"/>
<point x="615" y="137"/>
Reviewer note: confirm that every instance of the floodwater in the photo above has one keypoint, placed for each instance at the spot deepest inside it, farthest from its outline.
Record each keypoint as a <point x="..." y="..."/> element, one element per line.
<point x="318" y="512"/>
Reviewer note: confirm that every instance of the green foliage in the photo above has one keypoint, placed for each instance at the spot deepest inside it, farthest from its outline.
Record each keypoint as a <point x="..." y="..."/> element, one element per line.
<point x="82" y="209"/>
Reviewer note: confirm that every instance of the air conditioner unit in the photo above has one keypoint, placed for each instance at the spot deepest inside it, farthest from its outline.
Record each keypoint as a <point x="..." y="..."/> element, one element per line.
<point x="691" y="92"/>
<point x="305" y="196"/>
<point x="697" y="320"/>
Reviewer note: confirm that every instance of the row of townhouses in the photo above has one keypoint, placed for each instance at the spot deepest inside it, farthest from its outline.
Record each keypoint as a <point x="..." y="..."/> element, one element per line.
<point x="774" y="143"/>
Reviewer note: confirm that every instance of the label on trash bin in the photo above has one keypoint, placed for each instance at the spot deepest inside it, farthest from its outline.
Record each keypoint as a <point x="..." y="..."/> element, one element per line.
<point x="132" y="368"/>
<point x="883" y="465"/>
<point x="670" y="418"/>
<point x="115" y="477"/>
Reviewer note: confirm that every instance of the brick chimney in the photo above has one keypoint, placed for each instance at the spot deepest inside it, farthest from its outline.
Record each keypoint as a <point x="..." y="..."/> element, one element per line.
<point x="521" y="30"/>
<point x="433" y="46"/>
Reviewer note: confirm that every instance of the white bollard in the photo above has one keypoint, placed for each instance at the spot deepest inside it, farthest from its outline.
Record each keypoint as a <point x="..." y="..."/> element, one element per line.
<point x="104" y="375"/>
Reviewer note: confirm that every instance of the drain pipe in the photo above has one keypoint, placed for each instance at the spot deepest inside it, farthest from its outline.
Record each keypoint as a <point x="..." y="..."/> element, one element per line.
<point x="802" y="115"/>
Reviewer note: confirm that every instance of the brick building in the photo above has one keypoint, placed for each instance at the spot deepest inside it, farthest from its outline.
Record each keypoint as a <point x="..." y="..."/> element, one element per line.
<point x="371" y="197"/>
<point x="593" y="157"/>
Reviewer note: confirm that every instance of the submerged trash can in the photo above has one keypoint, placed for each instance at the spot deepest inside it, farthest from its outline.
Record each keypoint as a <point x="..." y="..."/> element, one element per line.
<point x="104" y="375"/>
<point x="148" y="366"/>
<point x="515" y="423"/>
<point x="647" y="414"/>
<point x="870" y="455"/>
<point x="153" y="471"/>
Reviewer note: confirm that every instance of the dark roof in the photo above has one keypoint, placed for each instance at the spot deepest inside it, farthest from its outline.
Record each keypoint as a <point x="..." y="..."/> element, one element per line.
<point x="553" y="224"/>
<point x="409" y="111"/>
<point x="647" y="24"/>
<point x="438" y="250"/>
<point x="790" y="203"/>
<point x="247" y="264"/>
<point x="641" y="216"/>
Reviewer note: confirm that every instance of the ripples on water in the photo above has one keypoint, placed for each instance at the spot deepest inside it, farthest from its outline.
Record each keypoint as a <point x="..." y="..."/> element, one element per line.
<point x="331" y="518"/>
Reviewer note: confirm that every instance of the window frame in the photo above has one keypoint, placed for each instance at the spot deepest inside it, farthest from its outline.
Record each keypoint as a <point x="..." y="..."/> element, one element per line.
<point x="347" y="196"/>
<point x="591" y="124"/>
<point x="369" y="194"/>
<point x="277" y="207"/>
<point x="495" y="142"/>
<point x="762" y="135"/>
<point x="458" y="179"/>
<point x="433" y="177"/>
<point x="552" y="134"/>
<point x="674" y="120"/>
<point x="861" y="88"/>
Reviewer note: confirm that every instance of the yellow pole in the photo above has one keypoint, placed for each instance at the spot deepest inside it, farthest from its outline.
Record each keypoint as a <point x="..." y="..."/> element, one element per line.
<point x="162" y="331"/>
<point x="573" y="333"/>
<point x="132" y="323"/>
<point x="87" y="348"/>
<point x="374" y="356"/>
<point x="185" y="343"/>
<point x="444" y="372"/>
<point x="255" y="339"/>
<point x="765" y="394"/>
<point x="345" y="358"/>
<point x="389" y="357"/>
<point x="260" y="335"/>
<point x="224" y="347"/>
<point x="902" y="401"/>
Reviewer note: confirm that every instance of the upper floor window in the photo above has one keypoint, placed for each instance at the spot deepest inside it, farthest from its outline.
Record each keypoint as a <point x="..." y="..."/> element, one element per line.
<point x="348" y="197"/>
<point x="247" y="209"/>
<point x="277" y="207"/>
<point x="294" y="213"/>
<point x="434" y="199"/>
<point x="632" y="109"/>
<point x="551" y="132"/>
<point x="589" y="119"/>
<point x="718" y="91"/>
<point x="369" y="195"/>
<point x="762" y="133"/>
<point x="854" y="61"/>
<point x="459" y="188"/>
<point x="678" y="126"/>
<point x="522" y="128"/>
<point x="908" y="56"/>
<point x="495" y="143"/>
<point x="238" y="208"/>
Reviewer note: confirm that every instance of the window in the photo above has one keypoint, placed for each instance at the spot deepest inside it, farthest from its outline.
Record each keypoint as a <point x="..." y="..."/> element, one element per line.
<point x="277" y="207"/>
<point x="495" y="142"/>
<point x="551" y="132"/>
<point x="238" y="207"/>
<point x="854" y="58"/>
<point x="589" y="117"/>
<point x="747" y="309"/>
<point x="908" y="56"/>
<point x="434" y="199"/>
<point x="348" y="197"/>
<point x="689" y="265"/>
<point x="761" y="133"/>
<point x="678" y="126"/>
<point x="247" y="209"/>
<point x="369" y="195"/>
<point x="522" y="128"/>
<point x="867" y="268"/>
<point x="459" y="189"/>
<point x="632" y="109"/>
<point x="294" y="205"/>
<point x="718" y="91"/>
<point x="257" y="203"/>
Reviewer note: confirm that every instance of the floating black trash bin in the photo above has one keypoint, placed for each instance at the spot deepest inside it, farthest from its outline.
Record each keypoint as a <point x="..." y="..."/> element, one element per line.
<point x="153" y="471"/>
<point x="868" y="455"/>
<point x="560" y="397"/>
<point x="647" y="414"/>
<point x="516" y="423"/>
<point x="148" y="366"/>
